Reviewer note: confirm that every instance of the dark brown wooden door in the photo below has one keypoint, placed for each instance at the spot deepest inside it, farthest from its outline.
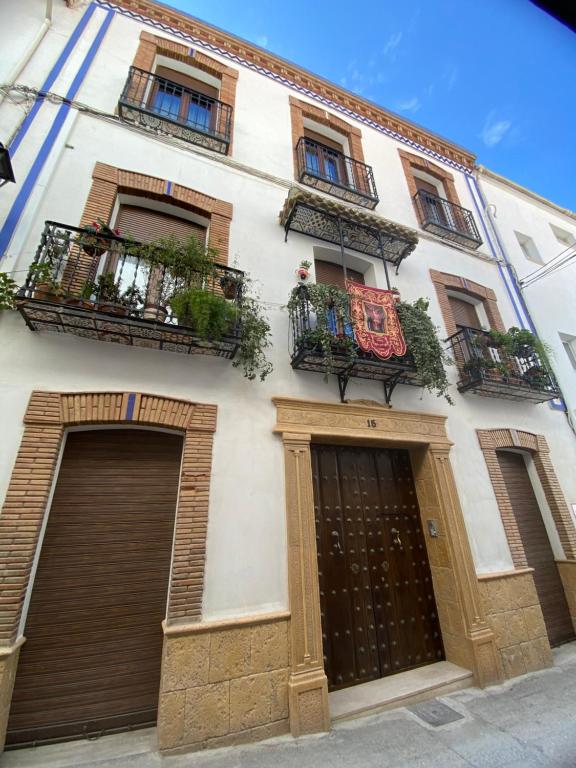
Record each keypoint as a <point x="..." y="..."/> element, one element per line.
<point x="91" y="660"/>
<point x="537" y="546"/>
<point x="376" y="597"/>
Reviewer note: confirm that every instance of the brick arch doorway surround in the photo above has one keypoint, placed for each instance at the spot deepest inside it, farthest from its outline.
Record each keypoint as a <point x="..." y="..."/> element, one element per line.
<point x="468" y="639"/>
<point x="48" y="416"/>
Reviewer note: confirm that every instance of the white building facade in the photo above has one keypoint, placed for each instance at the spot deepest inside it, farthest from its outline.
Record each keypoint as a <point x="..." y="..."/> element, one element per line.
<point x="135" y="467"/>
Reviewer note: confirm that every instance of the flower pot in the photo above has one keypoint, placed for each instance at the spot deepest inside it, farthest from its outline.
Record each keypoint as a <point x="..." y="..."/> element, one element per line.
<point x="155" y="312"/>
<point x="302" y="274"/>
<point x="113" y="308"/>
<point x="45" y="292"/>
<point x="78" y="301"/>
<point x="95" y="245"/>
<point x="229" y="287"/>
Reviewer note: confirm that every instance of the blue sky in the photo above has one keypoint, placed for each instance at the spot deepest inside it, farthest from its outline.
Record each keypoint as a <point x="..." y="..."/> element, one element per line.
<point x="495" y="76"/>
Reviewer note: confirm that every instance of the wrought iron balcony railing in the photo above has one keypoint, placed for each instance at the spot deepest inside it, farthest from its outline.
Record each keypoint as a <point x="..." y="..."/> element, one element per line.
<point x="103" y="287"/>
<point x="160" y="104"/>
<point x="488" y="369"/>
<point x="307" y="353"/>
<point x="446" y="219"/>
<point x="331" y="171"/>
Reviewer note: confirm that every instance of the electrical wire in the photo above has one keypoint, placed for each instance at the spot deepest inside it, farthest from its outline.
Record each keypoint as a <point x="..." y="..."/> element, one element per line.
<point x="563" y="259"/>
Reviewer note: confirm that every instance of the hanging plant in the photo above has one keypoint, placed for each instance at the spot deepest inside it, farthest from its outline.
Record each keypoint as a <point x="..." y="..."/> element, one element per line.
<point x="8" y="290"/>
<point x="425" y="347"/>
<point x="254" y="337"/>
<point x="333" y="331"/>
<point x="521" y="343"/>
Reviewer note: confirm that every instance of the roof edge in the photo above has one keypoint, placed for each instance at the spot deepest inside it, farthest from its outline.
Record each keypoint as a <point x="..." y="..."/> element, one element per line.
<point x="236" y="46"/>
<point x="528" y="192"/>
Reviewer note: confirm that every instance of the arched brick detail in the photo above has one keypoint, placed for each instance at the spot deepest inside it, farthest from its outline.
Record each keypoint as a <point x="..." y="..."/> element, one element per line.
<point x="46" y="419"/>
<point x="444" y="281"/>
<point x="108" y="181"/>
<point x="152" y="46"/>
<point x="493" y="439"/>
<point x="301" y="109"/>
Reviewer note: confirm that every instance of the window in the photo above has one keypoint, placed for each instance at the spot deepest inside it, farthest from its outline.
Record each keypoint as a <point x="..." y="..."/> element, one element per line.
<point x="528" y="248"/>
<point x="329" y="273"/>
<point x="464" y="313"/>
<point x="324" y="157"/>
<point x="564" y="238"/>
<point x="569" y="344"/>
<point x="184" y="99"/>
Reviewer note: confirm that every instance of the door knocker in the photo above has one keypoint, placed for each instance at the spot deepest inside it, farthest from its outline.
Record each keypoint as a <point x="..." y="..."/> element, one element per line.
<point x="396" y="537"/>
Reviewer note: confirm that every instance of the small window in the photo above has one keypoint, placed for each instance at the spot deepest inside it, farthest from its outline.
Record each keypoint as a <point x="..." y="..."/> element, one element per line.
<point x="564" y="238"/>
<point x="569" y="344"/>
<point x="529" y="248"/>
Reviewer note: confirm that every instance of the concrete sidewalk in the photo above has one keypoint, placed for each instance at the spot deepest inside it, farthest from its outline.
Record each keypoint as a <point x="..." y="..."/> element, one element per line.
<point x="529" y="722"/>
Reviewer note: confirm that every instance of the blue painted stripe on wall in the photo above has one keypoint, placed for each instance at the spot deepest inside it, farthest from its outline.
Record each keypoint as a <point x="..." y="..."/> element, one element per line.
<point x="130" y="406"/>
<point x="7" y="231"/>
<point x="53" y="74"/>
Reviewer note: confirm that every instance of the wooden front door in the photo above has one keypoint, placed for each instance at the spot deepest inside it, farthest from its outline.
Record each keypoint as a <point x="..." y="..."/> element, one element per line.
<point x="91" y="660"/>
<point x="539" y="554"/>
<point x="376" y="597"/>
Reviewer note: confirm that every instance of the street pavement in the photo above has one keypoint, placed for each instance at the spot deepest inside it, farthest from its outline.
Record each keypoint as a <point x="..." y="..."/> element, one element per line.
<point x="529" y="722"/>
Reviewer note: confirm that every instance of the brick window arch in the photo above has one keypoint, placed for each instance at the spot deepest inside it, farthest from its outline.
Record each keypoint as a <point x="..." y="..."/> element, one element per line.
<point x="444" y="283"/>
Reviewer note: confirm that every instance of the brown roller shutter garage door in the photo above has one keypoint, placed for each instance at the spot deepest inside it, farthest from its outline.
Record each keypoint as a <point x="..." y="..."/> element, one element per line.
<point x="537" y="547"/>
<point x="91" y="660"/>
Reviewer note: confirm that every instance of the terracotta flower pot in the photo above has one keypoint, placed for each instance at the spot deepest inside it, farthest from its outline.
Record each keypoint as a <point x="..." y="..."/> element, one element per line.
<point x="112" y="308"/>
<point x="155" y="312"/>
<point x="45" y="292"/>
<point x="78" y="301"/>
<point x="302" y="274"/>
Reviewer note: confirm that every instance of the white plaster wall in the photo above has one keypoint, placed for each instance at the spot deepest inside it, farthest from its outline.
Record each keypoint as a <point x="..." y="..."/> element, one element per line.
<point x="20" y="22"/>
<point x="551" y="299"/>
<point x="246" y="558"/>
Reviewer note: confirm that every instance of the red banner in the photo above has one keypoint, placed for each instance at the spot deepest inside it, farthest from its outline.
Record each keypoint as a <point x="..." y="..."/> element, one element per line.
<point x="375" y="320"/>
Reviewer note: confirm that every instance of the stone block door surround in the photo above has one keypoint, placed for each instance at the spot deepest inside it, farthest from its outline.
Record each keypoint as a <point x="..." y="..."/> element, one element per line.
<point x="468" y="639"/>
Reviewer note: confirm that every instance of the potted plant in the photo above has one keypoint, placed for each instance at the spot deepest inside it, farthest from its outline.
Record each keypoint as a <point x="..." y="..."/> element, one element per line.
<point x="210" y="315"/>
<point x="303" y="271"/>
<point x="537" y="377"/>
<point x="95" y="238"/>
<point x="46" y="287"/>
<point x="424" y="346"/>
<point x="331" y="306"/>
<point x="8" y="290"/>
<point x="132" y="299"/>
<point x="106" y="292"/>
<point x="230" y="284"/>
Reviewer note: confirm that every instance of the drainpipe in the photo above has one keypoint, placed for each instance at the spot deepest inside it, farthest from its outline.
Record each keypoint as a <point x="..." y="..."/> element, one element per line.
<point x="504" y="263"/>
<point x="18" y="69"/>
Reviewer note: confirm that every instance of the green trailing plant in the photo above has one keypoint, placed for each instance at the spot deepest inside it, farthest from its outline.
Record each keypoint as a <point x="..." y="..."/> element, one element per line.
<point x="425" y="347"/>
<point x="254" y="338"/>
<point x="210" y="315"/>
<point x="8" y="289"/>
<point x="328" y="302"/>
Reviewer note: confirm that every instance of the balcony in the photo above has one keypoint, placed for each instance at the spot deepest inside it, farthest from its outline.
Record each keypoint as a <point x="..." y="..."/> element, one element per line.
<point x="332" y="172"/>
<point x="102" y="287"/>
<point x="307" y="353"/>
<point x="161" y="105"/>
<point x="447" y="220"/>
<point x="488" y="369"/>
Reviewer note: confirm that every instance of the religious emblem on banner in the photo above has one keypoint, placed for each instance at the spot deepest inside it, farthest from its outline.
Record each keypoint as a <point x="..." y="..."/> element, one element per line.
<point x="376" y="324"/>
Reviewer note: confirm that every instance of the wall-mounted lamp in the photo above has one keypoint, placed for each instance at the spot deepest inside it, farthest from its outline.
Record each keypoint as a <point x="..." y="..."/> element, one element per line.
<point x="6" y="172"/>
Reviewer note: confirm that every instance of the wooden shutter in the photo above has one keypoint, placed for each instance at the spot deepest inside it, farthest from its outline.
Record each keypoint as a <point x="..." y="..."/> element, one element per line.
<point x="464" y="313"/>
<point x="333" y="274"/>
<point x="537" y="547"/>
<point x="188" y="82"/>
<point x="91" y="660"/>
<point x="146" y="225"/>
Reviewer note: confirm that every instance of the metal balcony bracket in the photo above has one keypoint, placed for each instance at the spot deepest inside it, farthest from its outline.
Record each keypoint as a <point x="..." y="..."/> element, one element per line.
<point x="389" y="386"/>
<point x="343" y="379"/>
